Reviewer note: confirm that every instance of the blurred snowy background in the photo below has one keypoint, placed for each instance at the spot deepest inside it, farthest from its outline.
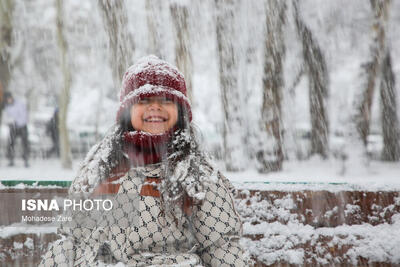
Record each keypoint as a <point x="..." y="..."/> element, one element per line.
<point x="281" y="90"/>
<point x="297" y="101"/>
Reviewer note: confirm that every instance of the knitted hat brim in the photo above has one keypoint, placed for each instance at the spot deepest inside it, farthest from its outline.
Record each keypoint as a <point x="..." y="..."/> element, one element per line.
<point x="149" y="90"/>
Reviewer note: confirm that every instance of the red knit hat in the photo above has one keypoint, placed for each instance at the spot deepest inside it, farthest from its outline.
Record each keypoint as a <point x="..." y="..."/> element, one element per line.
<point x="151" y="76"/>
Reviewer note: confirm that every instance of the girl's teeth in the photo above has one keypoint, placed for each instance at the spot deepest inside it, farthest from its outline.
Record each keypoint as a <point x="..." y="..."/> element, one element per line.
<point x="155" y="120"/>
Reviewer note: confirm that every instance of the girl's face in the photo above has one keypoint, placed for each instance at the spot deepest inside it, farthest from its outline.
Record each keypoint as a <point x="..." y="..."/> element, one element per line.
<point x="154" y="115"/>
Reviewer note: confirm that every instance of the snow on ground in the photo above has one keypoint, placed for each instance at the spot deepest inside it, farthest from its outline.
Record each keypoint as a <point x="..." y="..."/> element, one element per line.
<point x="39" y="170"/>
<point x="314" y="174"/>
<point x="22" y="228"/>
<point x="317" y="174"/>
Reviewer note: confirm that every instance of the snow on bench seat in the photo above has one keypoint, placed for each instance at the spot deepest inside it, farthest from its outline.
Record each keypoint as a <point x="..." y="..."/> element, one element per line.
<point x="321" y="227"/>
<point x="341" y="227"/>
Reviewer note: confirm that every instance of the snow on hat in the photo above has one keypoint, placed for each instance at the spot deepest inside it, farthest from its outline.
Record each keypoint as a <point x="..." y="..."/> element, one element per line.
<point x="151" y="76"/>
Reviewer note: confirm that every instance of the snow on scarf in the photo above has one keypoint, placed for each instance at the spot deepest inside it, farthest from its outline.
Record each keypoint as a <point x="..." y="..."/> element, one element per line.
<point x="98" y="163"/>
<point x="185" y="171"/>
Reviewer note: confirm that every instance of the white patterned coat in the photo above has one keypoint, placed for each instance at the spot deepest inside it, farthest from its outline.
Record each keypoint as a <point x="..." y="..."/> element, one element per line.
<point x="209" y="237"/>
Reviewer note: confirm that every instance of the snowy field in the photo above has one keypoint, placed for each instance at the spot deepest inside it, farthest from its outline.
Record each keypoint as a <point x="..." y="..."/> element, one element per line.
<point x="288" y="238"/>
<point x="314" y="174"/>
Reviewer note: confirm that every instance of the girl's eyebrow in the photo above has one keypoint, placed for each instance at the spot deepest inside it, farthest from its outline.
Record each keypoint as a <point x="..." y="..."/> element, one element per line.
<point x="156" y="98"/>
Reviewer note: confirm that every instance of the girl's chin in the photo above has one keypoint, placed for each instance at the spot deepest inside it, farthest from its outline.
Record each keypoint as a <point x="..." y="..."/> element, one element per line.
<point x="155" y="130"/>
<point x="154" y="127"/>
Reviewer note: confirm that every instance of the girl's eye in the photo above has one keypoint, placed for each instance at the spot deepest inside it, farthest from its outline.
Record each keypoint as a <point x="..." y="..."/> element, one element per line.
<point x="143" y="101"/>
<point x="167" y="101"/>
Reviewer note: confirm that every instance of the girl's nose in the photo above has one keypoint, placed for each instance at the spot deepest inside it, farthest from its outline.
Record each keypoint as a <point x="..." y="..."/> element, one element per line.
<point x="155" y="105"/>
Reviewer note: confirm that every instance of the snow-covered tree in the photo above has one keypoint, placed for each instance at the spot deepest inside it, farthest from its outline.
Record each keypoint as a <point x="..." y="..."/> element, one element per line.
<point x="371" y="69"/>
<point x="156" y="46"/>
<point x="271" y="155"/>
<point x="233" y="131"/>
<point x="120" y="43"/>
<point x="378" y="71"/>
<point x="65" y="150"/>
<point x="390" y="120"/>
<point x="317" y="72"/>
<point x="6" y="13"/>
<point x="183" y="54"/>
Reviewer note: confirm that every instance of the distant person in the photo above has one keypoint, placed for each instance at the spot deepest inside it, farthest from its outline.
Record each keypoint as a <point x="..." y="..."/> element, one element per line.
<point x="17" y="119"/>
<point x="52" y="131"/>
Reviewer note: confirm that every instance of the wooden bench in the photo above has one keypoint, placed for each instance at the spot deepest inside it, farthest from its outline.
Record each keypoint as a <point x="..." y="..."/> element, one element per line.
<point x="313" y="228"/>
<point x="280" y="228"/>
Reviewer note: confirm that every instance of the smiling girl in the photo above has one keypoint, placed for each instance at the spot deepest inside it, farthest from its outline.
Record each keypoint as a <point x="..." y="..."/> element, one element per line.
<point x="154" y="115"/>
<point x="186" y="214"/>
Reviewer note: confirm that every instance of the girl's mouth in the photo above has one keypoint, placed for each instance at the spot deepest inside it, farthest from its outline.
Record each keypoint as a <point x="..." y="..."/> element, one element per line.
<point x="155" y="119"/>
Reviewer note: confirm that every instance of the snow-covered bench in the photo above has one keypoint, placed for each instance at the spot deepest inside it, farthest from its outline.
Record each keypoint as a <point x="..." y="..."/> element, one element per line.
<point x="282" y="226"/>
<point x="327" y="227"/>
